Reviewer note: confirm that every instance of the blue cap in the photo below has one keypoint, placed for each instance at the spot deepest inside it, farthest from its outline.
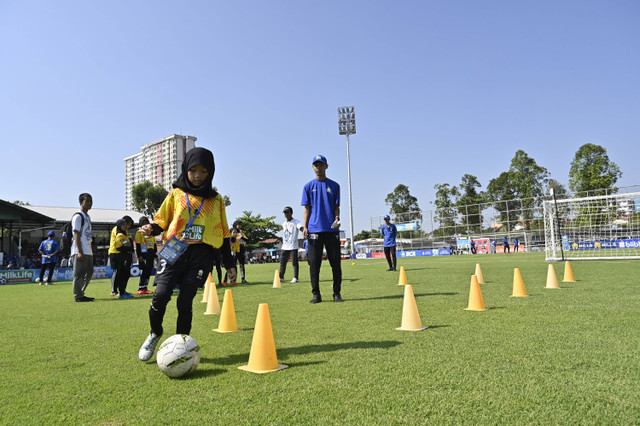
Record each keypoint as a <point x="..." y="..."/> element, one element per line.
<point x="51" y="234"/>
<point x="387" y="217"/>
<point x="320" y="158"/>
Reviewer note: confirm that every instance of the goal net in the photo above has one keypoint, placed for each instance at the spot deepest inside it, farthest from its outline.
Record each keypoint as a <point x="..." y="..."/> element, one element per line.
<point x="599" y="227"/>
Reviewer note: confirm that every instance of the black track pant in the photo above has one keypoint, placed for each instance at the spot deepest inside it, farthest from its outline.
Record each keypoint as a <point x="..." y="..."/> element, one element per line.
<point x="146" y="266"/>
<point x="390" y="254"/>
<point x="51" y="266"/>
<point x="284" y="259"/>
<point x="331" y="243"/>
<point x="189" y="272"/>
<point x="121" y="265"/>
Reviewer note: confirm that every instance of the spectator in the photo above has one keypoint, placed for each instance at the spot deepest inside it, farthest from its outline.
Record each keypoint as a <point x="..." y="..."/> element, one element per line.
<point x="49" y="248"/>
<point x="290" y="229"/>
<point x="81" y="254"/>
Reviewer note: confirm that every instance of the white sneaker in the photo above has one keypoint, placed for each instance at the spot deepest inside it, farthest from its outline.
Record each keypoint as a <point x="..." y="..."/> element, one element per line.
<point x="148" y="347"/>
<point x="295" y="280"/>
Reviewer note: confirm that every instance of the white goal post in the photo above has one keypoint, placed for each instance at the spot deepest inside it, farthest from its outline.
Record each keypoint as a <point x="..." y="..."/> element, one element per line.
<point x="589" y="228"/>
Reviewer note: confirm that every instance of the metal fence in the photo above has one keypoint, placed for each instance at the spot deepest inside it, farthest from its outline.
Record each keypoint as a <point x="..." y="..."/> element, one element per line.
<point x="521" y="218"/>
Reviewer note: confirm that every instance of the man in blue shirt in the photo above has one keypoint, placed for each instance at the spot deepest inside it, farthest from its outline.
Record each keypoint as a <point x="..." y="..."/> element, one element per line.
<point x="389" y="232"/>
<point x="321" y="201"/>
<point x="48" y="249"/>
<point x="505" y="244"/>
<point x="516" y="245"/>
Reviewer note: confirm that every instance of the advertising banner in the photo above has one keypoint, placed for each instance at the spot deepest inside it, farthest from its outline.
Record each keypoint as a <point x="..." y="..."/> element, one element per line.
<point x="17" y="276"/>
<point x="411" y="226"/>
<point x="409" y="253"/>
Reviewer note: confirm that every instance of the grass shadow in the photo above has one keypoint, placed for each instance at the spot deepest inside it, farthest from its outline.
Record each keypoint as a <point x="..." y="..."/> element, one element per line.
<point x="284" y="353"/>
<point x="400" y="296"/>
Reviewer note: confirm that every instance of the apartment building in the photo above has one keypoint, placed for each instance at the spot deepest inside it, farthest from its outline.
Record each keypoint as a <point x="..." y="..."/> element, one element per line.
<point x="159" y="162"/>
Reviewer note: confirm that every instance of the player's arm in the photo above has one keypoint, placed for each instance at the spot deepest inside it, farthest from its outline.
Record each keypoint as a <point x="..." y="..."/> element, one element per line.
<point x="305" y="220"/>
<point x="336" y="213"/>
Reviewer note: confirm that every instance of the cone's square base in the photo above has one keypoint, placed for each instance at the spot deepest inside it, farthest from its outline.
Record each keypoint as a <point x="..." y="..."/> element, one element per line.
<point x="212" y="313"/>
<point x="518" y="295"/>
<point x="412" y="329"/>
<point x="246" y="368"/>
<point x="217" y="330"/>
<point x="473" y="309"/>
<point x="567" y="281"/>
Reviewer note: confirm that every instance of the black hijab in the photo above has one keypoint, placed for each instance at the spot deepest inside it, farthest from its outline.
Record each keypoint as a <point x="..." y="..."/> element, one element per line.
<point x="195" y="156"/>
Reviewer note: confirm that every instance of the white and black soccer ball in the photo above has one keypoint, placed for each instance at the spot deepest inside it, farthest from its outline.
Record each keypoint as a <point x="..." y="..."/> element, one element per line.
<point x="38" y="279"/>
<point x="178" y="356"/>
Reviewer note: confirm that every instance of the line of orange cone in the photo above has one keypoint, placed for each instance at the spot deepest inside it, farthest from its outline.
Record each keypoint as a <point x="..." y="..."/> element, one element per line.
<point x="263" y="357"/>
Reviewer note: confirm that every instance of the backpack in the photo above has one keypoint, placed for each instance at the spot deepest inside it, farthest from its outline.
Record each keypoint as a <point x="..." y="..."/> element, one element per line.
<point x="66" y="241"/>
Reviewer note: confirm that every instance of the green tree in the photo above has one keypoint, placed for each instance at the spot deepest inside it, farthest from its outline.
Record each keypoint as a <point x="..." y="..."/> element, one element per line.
<point x="363" y="235"/>
<point x="21" y="203"/>
<point x="225" y="198"/>
<point x="258" y="230"/>
<point x="148" y="198"/>
<point x="525" y="181"/>
<point x="446" y="213"/>
<point x="469" y="202"/>
<point x="559" y="189"/>
<point x="591" y="169"/>
<point x="403" y="204"/>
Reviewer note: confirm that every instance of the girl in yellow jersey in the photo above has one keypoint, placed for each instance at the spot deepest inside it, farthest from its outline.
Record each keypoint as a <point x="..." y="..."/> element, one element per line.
<point x="146" y="251"/>
<point x="194" y="221"/>
<point x="120" y="250"/>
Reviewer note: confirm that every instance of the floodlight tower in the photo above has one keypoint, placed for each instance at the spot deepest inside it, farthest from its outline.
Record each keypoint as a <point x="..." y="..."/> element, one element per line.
<point x="347" y="126"/>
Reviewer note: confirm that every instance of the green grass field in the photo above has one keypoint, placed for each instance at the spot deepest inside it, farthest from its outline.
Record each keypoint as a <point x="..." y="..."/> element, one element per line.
<point x="562" y="356"/>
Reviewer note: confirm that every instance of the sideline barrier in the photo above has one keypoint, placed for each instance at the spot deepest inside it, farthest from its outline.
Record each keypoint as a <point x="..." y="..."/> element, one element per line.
<point x="24" y="276"/>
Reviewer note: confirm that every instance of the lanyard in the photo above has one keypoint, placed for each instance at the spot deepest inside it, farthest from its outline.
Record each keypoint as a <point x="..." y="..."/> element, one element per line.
<point x="189" y="207"/>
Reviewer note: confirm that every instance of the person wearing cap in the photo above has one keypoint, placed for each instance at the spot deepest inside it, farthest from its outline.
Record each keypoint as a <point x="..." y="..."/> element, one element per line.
<point x="289" y="248"/>
<point x="49" y="248"/>
<point x="321" y="201"/>
<point x="389" y="232"/>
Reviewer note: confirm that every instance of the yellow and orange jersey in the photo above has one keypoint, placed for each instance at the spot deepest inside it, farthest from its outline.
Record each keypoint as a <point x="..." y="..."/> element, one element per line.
<point x="210" y="226"/>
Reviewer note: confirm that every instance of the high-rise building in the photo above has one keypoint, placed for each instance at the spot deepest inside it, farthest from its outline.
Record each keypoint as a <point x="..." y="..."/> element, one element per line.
<point x="159" y="162"/>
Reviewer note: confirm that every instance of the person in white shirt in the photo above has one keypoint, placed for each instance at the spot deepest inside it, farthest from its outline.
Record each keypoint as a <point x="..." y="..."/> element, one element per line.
<point x="290" y="230"/>
<point x="81" y="253"/>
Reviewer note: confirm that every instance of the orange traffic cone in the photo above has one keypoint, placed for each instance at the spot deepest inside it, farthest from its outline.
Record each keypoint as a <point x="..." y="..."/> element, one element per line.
<point x="410" y="316"/>
<point x="518" y="284"/>
<point x="476" y="303"/>
<point x="276" y="280"/>
<point x="478" y="274"/>
<point x="552" y="281"/>
<point x="403" y="277"/>
<point x="213" y="305"/>
<point x="207" y="286"/>
<point x="568" y="273"/>
<point x="227" y="322"/>
<point x="263" y="357"/>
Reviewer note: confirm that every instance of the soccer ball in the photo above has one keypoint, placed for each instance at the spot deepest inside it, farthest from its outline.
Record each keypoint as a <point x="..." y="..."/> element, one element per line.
<point x="38" y="279"/>
<point x="178" y="356"/>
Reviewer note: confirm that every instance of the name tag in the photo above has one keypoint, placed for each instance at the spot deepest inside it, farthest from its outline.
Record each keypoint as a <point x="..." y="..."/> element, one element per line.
<point x="172" y="250"/>
<point x="193" y="234"/>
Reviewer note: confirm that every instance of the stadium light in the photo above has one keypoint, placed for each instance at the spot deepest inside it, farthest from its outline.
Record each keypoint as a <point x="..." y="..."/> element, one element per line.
<point x="347" y="126"/>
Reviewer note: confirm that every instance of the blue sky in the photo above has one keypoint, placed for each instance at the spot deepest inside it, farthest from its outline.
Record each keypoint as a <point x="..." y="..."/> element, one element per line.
<point x="441" y="88"/>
